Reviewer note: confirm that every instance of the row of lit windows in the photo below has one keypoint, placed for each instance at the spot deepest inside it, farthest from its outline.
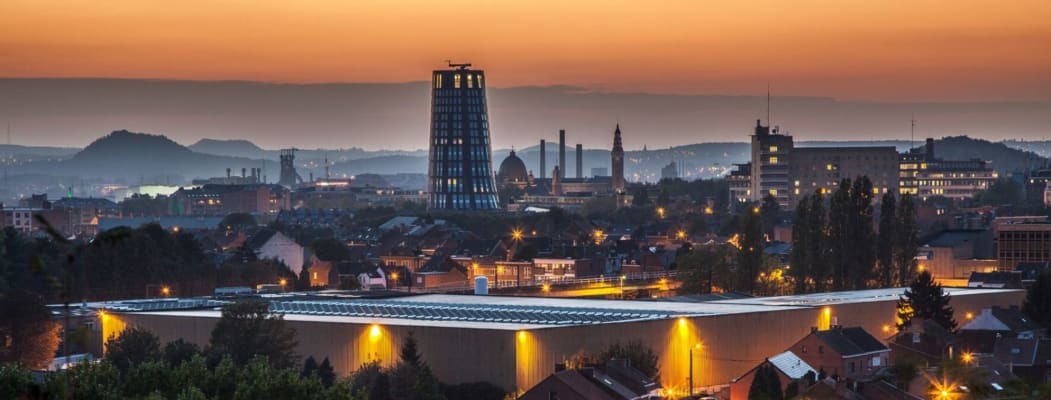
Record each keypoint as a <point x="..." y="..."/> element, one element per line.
<point x="457" y="81"/>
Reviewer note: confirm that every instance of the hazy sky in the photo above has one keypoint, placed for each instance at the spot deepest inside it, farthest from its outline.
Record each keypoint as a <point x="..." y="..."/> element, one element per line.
<point x="946" y="50"/>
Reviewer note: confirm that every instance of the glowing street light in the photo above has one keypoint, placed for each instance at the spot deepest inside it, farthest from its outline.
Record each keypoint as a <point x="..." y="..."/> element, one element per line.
<point x="681" y="234"/>
<point x="660" y="212"/>
<point x="166" y="291"/>
<point x="692" y="348"/>
<point x="967" y="358"/>
<point x="516" y="234"/>
<point x="283" y="282"/>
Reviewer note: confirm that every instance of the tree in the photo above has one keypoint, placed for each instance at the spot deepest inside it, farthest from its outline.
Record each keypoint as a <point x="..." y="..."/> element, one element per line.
<point x="131" y="347"/>
<point x="705" y="267"/>
<point x="372" y="380"/>
<point x="641" y="198"/>
<point x="14" y="381"/>
<point x="906" y="245"/>
<point x="839" y="246"/>
<point x="409" y="353"/>
<point x="817" y="263"/>
<point x="925" y="299"/>
<point x="861" y="236"/>
<point x="750" y="251"/>
<point x="638" y="355"/>
<point x="769" y="212"/>
<point x="1037" y="304"/>
<point x="888" y="230"/>
<point x="766" y="385"/>
<point x="247" y="329"/>
<point x="799" y="258"/>
<point x="28" y="334"/>
<point x="179" y="351"/>
<point x="326" y="373"/>
<point x="309" y="366"/>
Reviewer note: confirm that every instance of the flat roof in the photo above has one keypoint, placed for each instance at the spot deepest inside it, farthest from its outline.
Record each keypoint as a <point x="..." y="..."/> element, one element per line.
<point x="509" y="313"/>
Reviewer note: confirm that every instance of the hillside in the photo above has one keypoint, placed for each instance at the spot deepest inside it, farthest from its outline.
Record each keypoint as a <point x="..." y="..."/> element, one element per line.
<point x="232" y="148"/>
<point x="1004" y="159"/>
<point x="131" y="157"/>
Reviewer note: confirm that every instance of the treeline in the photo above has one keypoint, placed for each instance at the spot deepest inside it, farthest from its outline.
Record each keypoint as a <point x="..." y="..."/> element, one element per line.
<point x="125" y="263"/>
<point x="835" y="245"/>
<point x="249" y="356"/>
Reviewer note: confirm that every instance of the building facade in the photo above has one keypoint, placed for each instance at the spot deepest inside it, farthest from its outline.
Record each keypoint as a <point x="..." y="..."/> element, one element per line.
<point x="460" y="166"/>
<point x="820" y="169"/>
<point x="1022" y="240"/>
<point x="924" y="175"/>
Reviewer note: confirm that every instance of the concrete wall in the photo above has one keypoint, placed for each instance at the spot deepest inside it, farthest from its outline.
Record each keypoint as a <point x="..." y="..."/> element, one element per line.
<point x="730" y="345"/>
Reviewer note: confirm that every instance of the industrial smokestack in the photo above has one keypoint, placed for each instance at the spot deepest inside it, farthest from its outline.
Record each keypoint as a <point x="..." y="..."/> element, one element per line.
<point x="543" y="159"/>
<point x="561" y="153"/>
<point x="930" y="148"/>
<point x="580" y="161"/>
<point x="244" y="172"/>
<point x="228" y="172"/>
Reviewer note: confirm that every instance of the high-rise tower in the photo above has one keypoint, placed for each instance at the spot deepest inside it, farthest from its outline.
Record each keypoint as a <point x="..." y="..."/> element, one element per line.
<point x="460" y="165"/>
<point x="617" y="158"/>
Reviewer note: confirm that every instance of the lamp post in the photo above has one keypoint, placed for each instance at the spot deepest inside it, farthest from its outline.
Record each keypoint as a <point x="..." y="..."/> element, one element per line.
<point x="394" y="279"/>
<point x="698" y="347"/>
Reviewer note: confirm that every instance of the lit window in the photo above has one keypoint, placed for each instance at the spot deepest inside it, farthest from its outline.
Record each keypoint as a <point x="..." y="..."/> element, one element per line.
<point x="797" y="191"/>
<point x="456" y="81"/>
<point x="773" y="160"/>
<point x="470" y="81"/>
<point x="773" y="149"/>
<point x="773" y="192"/>
<point x="797" y="183"/>
<point x="828" y="167"/>
<point x="479" y="81"/>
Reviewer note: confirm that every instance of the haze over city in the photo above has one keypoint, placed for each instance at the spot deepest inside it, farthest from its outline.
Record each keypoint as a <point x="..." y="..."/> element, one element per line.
<point x="682" y="72"/>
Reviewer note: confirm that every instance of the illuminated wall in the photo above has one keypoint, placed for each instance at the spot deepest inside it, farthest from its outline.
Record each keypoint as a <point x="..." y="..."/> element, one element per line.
<point x="729" y="345"/>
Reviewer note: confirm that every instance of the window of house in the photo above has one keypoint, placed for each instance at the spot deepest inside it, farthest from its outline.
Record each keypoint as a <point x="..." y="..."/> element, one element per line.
<point x="850" y="368"/>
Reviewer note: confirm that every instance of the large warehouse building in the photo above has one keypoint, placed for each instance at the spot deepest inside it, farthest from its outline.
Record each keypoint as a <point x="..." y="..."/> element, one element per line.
<point x="515" y="342"/>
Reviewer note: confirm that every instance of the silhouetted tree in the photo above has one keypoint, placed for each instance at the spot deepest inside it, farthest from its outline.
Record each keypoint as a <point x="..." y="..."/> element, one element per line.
<point x="840" y="248"/>
<point x="247" y="329"/>
<point x="750" y="252"/>
<point x="179" y="351"/>
<point x="237" y="221"/>
<point x="766" y="385"/>
<point x="799" y="258"/>
<point x="888" y="230"/>
<point x="131" y="347"/>
<point x="906" y="245"/>
<point x="769" y="212"/>
<point x="639" y="356"/>
<point x="31" y="335"/>
<point x="817" y="258"/>
<point x="326" y="373"/>
<point x="1037" y="304"/>
<point x="861" y="235"/>
<point x="925" y="299"/>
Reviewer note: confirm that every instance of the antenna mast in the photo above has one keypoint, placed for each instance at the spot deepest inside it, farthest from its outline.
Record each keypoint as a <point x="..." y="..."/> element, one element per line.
<point x="768" y="124"/>
<point x="912" y="132"/>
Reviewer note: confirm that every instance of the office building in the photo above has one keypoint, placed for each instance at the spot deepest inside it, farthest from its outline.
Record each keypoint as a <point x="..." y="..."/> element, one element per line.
<point x="460" y="166"/>
<point x="924" y="175"/>
<point x="1022" y="240"/>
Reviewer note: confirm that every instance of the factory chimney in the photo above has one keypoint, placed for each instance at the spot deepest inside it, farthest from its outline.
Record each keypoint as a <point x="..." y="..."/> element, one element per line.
<point x="561" y="153"/>
<point x="543" y="158"/>
<point x="580" y="161"/>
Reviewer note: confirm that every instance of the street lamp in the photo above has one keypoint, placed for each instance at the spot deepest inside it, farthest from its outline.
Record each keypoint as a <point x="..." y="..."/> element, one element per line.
<point x="516" y="234"/>
<point x="698" y="347"/>
<point x="394" y="279"/>
<point x="660" y="212"/>
<point x="166" y="291"/>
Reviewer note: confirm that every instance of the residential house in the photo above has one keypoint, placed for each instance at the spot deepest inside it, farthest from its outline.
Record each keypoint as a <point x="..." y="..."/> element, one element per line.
<point x="616" y="380"/>
<point x="844" y="353"/>
<point x="982" y="331"/>
<point x="790" y="371"/>
<point x="440" y="271"/>
<point x="923" y="340"/>
<point x="270" y="244"/>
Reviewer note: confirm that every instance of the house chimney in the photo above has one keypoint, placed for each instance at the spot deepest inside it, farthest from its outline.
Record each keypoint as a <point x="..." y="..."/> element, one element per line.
<point x="543" y="158"/>
<point x="580" y="161"/>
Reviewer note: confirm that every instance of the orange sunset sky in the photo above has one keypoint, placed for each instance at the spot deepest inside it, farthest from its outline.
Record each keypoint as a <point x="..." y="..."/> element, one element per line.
<point x="957" y="50"/>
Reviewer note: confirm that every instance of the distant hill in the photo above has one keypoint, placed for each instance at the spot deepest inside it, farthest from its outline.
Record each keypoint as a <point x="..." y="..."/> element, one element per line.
<point x="1005" y="159"/>
<point x="130" y="157"/>
<point x="233" y="148"/>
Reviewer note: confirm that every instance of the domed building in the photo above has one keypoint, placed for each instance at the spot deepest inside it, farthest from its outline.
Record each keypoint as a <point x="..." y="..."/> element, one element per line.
<point x="513" y="172"/>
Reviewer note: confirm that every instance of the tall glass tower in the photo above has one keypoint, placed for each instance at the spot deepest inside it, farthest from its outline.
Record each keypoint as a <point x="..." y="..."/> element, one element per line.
<point x="460" y="167"/>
